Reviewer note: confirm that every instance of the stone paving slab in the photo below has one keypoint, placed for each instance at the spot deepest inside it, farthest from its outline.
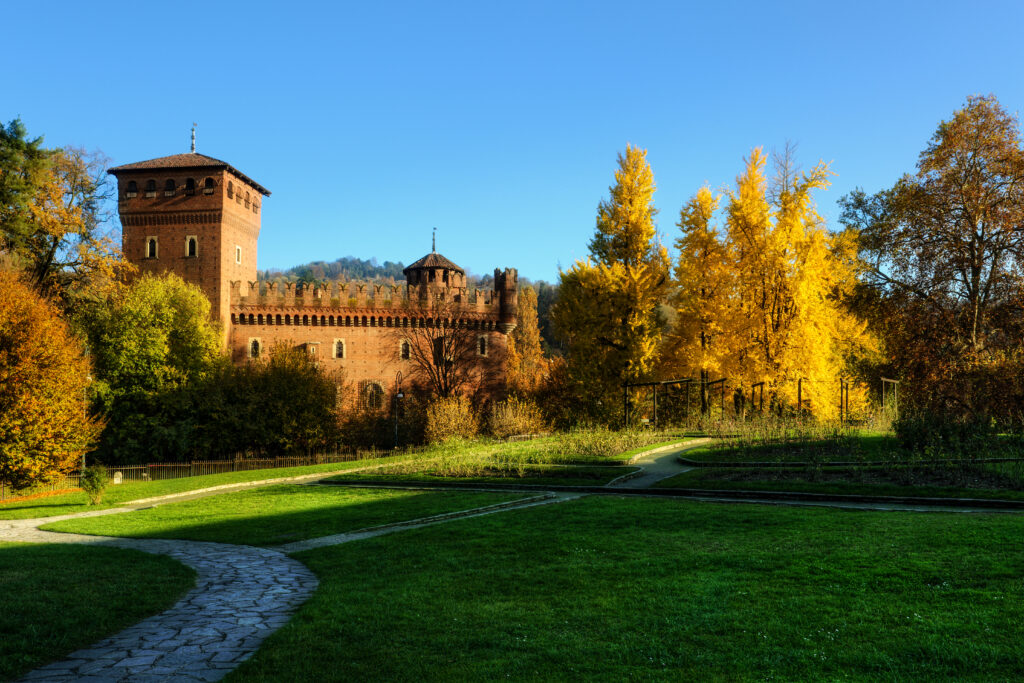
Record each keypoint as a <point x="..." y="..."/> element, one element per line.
<point x="242" y="595"/>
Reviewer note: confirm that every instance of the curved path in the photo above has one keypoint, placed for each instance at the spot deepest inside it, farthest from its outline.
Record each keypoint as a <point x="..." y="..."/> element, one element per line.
<point x="658" y="464"/>
<point x="242" y="595"/>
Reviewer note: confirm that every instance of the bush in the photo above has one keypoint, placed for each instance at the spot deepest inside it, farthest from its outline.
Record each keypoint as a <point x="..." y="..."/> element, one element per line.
<point x="937" y="436"/>
<point x="451" y="418"/>
<point x="515" y="416"/>
<point x="94" y="481"/>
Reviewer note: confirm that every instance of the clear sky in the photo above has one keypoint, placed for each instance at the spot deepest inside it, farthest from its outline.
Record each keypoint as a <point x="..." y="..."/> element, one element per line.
<point x="498" y="123"/>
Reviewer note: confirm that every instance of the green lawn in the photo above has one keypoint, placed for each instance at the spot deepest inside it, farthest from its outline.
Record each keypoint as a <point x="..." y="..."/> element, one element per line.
<point x="614" y="589"/>
<point x="278" y="514"/>
<point x="534" y="475"/>
<point x="844" y="482"/>
<point x="857" y="447"/>
<point x="123" y="493"/>
<point x="59" y="598"/>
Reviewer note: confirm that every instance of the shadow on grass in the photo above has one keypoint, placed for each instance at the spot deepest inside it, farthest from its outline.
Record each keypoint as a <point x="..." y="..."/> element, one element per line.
<point x="278" y="514"/>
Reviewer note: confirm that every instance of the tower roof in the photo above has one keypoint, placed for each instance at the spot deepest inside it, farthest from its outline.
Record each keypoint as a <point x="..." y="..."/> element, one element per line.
<point x="433" y="260"/>
<point x="188" y="160"/>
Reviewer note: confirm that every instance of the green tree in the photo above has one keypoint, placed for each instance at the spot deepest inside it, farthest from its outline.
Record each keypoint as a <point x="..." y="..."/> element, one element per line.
<point x="607" y="310"/>
<point x="153" y="339"/>
<point x="45" y="428"/>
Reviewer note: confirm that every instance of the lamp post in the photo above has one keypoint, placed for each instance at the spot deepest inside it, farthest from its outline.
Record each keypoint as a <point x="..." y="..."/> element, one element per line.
<point x="398" y="395"/>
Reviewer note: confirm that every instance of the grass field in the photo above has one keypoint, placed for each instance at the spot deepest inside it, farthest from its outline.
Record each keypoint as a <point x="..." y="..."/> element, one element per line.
<point x="614" y="589"/>
<point x="534" y="475"/>
<point x="273" y="515"/>
<point x="60" y="598"/>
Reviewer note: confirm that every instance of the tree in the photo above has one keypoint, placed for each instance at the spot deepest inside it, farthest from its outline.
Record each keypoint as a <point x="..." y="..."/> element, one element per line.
<point x="525" y="364"/>
<point x="151" y="340"/>
<point x="607" y="307"/>
<point x="53" y="208"/>
<point x="944" y="252"/>
<point x="700" y="340"/>
<point x="444" y="350"/>
<point x="45" y="428"/>
<point x="791" y="279"/>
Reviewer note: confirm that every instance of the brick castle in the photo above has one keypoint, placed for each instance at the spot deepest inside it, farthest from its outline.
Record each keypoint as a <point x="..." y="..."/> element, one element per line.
<point x="199" y="217"/>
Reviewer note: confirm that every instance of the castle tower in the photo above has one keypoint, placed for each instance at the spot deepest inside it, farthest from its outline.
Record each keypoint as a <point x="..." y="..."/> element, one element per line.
<point x="435" y="276"/>
<point x="195" y="216"/>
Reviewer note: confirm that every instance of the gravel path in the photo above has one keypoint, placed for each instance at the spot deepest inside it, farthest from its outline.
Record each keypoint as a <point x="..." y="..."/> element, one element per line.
<point x="658" y="465"/>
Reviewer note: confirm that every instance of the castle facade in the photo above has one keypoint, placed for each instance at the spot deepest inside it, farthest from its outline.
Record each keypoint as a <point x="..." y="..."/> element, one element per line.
<point x="199" y="217"/>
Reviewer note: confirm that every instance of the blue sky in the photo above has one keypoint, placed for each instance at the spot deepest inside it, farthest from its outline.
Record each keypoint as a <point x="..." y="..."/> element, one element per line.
<point x="498" y="123"/>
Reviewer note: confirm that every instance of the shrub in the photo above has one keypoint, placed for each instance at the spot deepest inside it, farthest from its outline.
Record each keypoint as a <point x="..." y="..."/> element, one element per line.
<point x="936" y="436"/>
<point x="450" y="418"/>
<point x="515" y="416"/>
<point x="94" y="481"/>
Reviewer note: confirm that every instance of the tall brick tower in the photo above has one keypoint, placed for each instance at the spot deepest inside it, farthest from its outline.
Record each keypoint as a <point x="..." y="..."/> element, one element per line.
<point x="192" y="215"/>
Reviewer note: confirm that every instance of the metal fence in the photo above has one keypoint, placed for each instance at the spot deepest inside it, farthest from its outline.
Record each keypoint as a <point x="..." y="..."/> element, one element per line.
<point x="158" y="471"/>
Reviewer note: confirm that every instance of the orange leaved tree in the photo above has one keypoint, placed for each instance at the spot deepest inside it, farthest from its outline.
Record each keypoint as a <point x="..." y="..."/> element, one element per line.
<point x="45" y="427"/>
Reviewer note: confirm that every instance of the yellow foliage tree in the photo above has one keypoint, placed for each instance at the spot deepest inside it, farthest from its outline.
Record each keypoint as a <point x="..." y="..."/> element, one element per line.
<point x="525" y="363"/>
<point x="607" y="308"/>
<point x="764" y="302"/>
<point x="44" y="424"/>
<point x="699" y="342"/>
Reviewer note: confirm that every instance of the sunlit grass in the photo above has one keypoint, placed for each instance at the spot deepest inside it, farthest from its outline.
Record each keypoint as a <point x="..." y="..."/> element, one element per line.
<point x="278" y="514"/>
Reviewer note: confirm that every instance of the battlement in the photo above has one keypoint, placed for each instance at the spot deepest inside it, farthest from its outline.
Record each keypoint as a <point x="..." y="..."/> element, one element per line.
<point x="363" y="295"/>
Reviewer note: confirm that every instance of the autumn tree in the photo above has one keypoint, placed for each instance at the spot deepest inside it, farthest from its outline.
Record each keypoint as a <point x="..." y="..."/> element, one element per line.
<point x="700" y="340"/>
<point x="45" y="428"/>
<point x="55" y="207"/>
<point x="525" y="366"/>
<point x="944" y="250"/>
<point x="444" y="349"/>
<point x="607" y="307"/>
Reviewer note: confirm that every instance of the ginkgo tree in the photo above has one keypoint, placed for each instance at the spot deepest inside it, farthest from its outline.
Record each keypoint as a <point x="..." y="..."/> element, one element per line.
<point x="607" y="312"/>
<point x="764" y="302"/>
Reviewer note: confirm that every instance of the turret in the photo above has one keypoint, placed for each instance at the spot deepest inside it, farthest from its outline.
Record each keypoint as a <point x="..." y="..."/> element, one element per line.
<point x="506" y="284"/>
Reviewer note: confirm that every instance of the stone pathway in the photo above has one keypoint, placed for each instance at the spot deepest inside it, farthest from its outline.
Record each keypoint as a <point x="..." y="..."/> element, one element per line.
<point x="242" y="595"/>
<point x="658" y="465"/>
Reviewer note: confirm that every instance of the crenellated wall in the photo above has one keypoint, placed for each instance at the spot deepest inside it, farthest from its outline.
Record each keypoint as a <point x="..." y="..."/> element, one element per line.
<point x="340" y="294"/>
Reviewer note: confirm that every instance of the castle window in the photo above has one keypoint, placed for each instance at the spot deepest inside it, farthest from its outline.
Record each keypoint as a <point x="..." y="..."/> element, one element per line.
<point x="247" y="200"/>
<point x="438" y="351"/>
<point x="313" y="348"/>
<point x="231" y="189"/>
<point x="444" y="276"/>
<point x="150" y="188"/>
<point x="191" y="246"/>
<point x="152" y="250"/>
<point x="338" y="349"/>
<point x="481" y="345"/>
<point x="208" y="186"/>
<point x="255" y="206"/>
<point x="169" y="188"/>
<point x="371" y="395"/>
<point x="238" y="254"/>
<point x="404" y="350"/>
<point x="132" y="190"/>
<point x="255" y="346"/>
<point x="190" y="186"/>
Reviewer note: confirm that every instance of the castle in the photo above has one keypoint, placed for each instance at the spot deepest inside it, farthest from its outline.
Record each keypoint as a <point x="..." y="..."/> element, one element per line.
<point x="199" y="217"/>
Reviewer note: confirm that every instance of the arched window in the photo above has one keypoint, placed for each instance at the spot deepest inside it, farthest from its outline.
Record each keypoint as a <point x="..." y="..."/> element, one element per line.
<point x="190" y="186"/>
<point x="150" y="188"/>
<point x="481" y="345"/>
<point x="254" y="348"/>
<point x="439" y="351"/>
<point x="208" y="186"/>
<point x="169" y="188"/>
<point x="339" y="349"/>
<point x="247" y="200"/>
<point x="372" y="395"/>
<point x="405" y="351"/>
<point x="132" y="190"/>
<point x="151" y="248"/>
<point x="231" y="189"/>
<point x="191" y="247"/>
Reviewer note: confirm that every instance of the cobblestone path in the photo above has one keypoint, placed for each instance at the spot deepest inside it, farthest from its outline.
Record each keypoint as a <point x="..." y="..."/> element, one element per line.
<point x="242" y="595"/>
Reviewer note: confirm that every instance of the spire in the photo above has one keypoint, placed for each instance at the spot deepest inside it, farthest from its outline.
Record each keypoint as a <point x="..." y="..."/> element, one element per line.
<point x="193" y="137"/>
<point x="433" y="242"/>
